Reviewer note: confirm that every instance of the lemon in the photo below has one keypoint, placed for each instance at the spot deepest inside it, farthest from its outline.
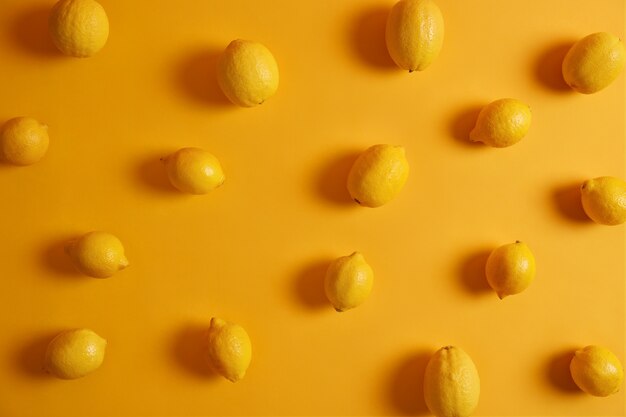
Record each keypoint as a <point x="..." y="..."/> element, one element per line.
<point x="414" y="33"/>
<point x="79" y="28"/>
<point x="75" y="353"/>
<point x="594" y="62"/>
<point x="230" y="349"/>
<point x="510" y="269"/>
<point x="23" y="141"/>
<point x="378" y="175"/>
<point x="451" y="383"/>
<point x="194" y="170"/>
<point x="502" y="123"/>
<point x="247" y="73"/>
<point x="597" y="371"/>
<point x="97" y="254"/>
<point x="348" y="281"/>
<point x="604" y="200"/>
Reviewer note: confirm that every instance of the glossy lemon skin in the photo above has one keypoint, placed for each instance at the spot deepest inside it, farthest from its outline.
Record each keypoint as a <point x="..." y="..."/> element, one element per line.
<point x="247" y="73"/>
<point x="414" y="34"/>
<point x="510" y="269"/>
<point x="502" y="123"/>
<point x="597" y="371"/>
<point x="604" y="200"/>
<point x="194" y="171"/>
<point x="97" y="254"/>
<point x="348" y="282"/>
<point x="75" y="353"/>
<point x="23" y="141"/>
<point x="229" y="349"/>
<point x="79" y="28"/>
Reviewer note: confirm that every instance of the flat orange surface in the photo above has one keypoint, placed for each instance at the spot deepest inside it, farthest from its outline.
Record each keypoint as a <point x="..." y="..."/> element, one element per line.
<point x="254" y="251"/>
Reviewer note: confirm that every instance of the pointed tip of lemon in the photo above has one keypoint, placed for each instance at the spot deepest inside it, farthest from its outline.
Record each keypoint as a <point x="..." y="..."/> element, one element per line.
<point x="123" y="263"/>
<point x="217" y="322"/>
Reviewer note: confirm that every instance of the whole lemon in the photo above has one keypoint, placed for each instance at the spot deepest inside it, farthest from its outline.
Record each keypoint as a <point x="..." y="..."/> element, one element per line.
<point x="247" y="73"/>
<point x="594" y="62"/>
<point x="230" y="349"/>
<point x="414" y="33"/>
<point x="75" y="353"/>
<point x="451" y="383"/>
<point x="23" y="141"/>
<point x="194" y="170"/>
<point x="510" y="269"/>
<point x="97" y="254"/>
<point x="597" y="371"/>
<point x="79" y="28"/>
<point x="604" y="200"/>
<point x="502" y="123"/>
<point x="348" y="281"/>
<point x="378" y="175"/>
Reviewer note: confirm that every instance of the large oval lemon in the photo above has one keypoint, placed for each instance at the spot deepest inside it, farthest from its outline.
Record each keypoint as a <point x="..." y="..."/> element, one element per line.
<point x="79" y="28"/>
<point x="247" y="73"/>
<point x="348" y="281"/>
<point x="414" y="34"/>
<point x="97" y="254"/>
<point x="378" y="175"/>
<point x="230" y="350"/>
<point x="594" y="62"/>
<point x="597" y="371"/>
<point x="75" y="353"/>
<point x="502" y="123"/>
<point x="23" y="141"/>
<point x="510" y="269"/>
<point x="604" y="200"/>
<point x="194" y="170"/>
<point x="451" y="383"/>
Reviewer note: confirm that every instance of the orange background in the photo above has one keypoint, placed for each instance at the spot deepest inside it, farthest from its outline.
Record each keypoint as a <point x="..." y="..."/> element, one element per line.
<point x="254" y="251"/>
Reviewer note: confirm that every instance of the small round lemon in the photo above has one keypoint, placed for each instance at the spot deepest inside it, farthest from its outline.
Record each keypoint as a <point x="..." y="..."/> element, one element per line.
<point x="510" y="269"/>
<point x="247" y="73"/>
<point x="378" y="175"/>
<point x="348" y="281"/>
<point x="594" y="62"/>
<point x="230" y="349"/>
<point x="194" y="170"/>
<point x="502" y="123"/>
<point x="414" y="33"/>
<point x="79" y="28"/>
<point x="604" y="200"/>
<point x="23" y="141"/>
<point x="451" y="383"/>
<point x="75" y="353"/>
<point x="597" y="371"/>
<point x="97" y="254"/>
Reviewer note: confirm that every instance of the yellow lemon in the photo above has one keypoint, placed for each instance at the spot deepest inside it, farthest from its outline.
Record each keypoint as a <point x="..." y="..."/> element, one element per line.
<point x="79" y="28"/>
<point x="502" y="123"/>
<point x="597" y="371"/>
<point x="594" y="62"/>
<point x="510" y="269"/>
<point x="451" y="383"/>
<point x="348" y="282"/>
<point x="414" y="33"/>
<point x="230" y="349"/>
<point x="247" y="73"/>
<point x="194" y="170"/>
<point x="23" y="141"/>
<point x="378" y="175"/>
<point x="604" y="200"/>
<point x="97" y="254"/>
<point x="75" y="353"/>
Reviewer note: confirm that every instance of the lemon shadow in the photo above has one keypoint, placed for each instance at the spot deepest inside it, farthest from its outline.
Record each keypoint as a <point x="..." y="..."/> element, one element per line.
<point x="462" y="123"/>
<point x="30" y="31"/>
<point x="309" y="285"/>
<point x="150" y="173"/>
<point x="558" y="373"/>
<point x="367" y="37"/>
<point x="406" y="390"/>
<point x="30" y="357"/>
<point x="566" y="199"/>
<point x="196" y="76"/>
<point x="333" y="176"/>
<point x="56" y="261"/>
<point x="189" y="350"/>
<point x="472" y="272"/>
<point x="548" y="66"/>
